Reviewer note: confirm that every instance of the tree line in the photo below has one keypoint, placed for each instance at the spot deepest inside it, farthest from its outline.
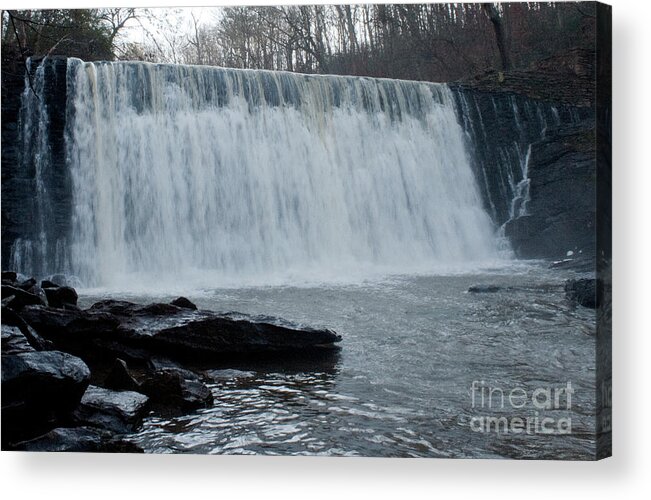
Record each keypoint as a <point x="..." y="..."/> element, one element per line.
<point x="435" y="42"/>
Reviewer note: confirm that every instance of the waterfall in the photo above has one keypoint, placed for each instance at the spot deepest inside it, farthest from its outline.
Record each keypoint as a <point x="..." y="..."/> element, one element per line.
<point x="42" y="245"/>
<point x="248" y="175"/>
<point x="500" y="128"/>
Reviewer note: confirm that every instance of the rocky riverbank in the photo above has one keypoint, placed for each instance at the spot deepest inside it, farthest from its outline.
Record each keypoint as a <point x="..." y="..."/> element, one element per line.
<point x="81" y="379"/>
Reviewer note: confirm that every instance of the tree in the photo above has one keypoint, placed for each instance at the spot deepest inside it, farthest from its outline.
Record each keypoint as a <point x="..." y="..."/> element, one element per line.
<point x="496" y="19"/>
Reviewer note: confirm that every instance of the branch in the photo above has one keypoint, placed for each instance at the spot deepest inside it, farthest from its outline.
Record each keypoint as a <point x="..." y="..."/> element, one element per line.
<point x="22" y="55"/>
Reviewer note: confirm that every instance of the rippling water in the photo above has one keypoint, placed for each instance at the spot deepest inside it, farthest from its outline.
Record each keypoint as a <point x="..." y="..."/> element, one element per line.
<point x="401" y="385"/>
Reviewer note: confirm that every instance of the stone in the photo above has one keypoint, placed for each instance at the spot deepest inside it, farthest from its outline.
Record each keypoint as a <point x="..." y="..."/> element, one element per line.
<point x="36" y="342"/>
<point x="26" y="284"/>
<point x="135" y="332"/>
<point x="39" y="390"/>
<point x="21" y="298"/>
<point x="58" y="324"/>
<point x="585" y="292"/>
<point x="183" y="302"/>
<point x="39" y="292"/>
<point x="176" y="331"/>
<point x="115" y="411"/>
<point x="78" y="439"/>
<point x="175" y="390"/>
<point x="61" y="296"/>
<point x="13" y="341"/>
<point x="119" y="378"/>
<point x="9" y="275"/>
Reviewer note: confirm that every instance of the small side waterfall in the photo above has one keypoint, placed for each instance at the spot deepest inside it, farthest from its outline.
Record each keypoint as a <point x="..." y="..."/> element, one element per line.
<point x="252" y="175"/>
<point x="500" y="128"/>
<point x="42" y="246"/>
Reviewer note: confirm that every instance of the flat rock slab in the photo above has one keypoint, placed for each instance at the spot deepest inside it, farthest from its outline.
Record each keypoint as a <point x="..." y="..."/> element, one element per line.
<point x="116" y="411"/>
<point x="176" y="330"/>
<point x="170" y="326"/>
<point x="78" y="439"/>
<point x="13" y="341"/>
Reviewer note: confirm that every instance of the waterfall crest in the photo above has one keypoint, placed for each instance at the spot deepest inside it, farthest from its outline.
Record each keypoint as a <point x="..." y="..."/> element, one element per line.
<point x="247" y="174"/>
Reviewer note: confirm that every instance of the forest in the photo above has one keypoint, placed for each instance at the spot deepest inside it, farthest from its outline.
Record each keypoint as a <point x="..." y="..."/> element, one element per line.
<point x="429" y="41"/>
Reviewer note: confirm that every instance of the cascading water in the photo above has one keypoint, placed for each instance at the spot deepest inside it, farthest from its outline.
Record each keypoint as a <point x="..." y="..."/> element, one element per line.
<point x="500" y="128"/>
<point x="253" y="175"/>
<point x="41" y="246"/>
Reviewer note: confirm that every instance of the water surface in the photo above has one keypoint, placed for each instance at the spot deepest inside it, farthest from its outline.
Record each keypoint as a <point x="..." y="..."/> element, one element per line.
<point x="401" y="384"/>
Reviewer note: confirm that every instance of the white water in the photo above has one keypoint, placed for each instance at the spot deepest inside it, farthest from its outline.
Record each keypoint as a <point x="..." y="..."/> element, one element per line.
<point x="250" y="175"/>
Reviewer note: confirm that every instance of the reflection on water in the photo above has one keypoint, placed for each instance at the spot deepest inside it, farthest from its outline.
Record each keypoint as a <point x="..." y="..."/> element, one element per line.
<point x="401" y="386"/>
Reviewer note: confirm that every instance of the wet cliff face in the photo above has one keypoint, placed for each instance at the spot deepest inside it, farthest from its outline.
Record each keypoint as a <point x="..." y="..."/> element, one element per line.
<point x="500" y="129"/>
<point x="36" y="192"/>
<point x="535" y="163"/>
<point x="561" y="214"/>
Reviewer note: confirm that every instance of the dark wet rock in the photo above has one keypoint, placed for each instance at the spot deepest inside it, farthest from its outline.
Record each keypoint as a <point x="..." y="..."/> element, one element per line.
<point x="39" y="292"/>
<point x="561" y="213"/>
<point x="484" y="289"/>
<point x="9" y="275"/>
<point x="66" y="323"/>
<point x="39" y="389"/>
<point x="174" y="330"/>
<point x="11" y="318"/>
<point x="13" y="341"/>
<point x="26" y="284"/>
<point x="176" y="389"/>
<point x="136" y="333"/>
<point x="585" y="292"/>
<point x="48" y="284"/>
<point x="21" y="298"/>
<point x="183" y="302"/>
<point x="61" y="296"/>
<point x="79" y="439"/>
<point x="120" y="378"/>
<point x="115" y="411"/>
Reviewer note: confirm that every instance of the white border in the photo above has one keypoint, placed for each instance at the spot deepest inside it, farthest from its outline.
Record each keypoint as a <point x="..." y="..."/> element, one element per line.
<point x="626" y="475"/>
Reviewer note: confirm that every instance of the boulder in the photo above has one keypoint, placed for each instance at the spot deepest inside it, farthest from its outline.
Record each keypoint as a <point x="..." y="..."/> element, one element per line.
<point x="176" y="389"/>
<point x="9" y="276"/>
<point x="120" y="379"/>
<point x="78" y="439"/>
<point x="39" y="390"/>
<point x="177" y="331"/>
<point x="183" y="302"/>
<point x="21" y="298"/>
<point x="26" y="284"/>
<point x="11" y="318"/>
<point x="585" y="292"/>
<point x="65" y="323"/>
<point x="136" y="332"/>
<point x="13" y="341"/>
<point x="61" y="296"/>
<point x="115" y="411"/>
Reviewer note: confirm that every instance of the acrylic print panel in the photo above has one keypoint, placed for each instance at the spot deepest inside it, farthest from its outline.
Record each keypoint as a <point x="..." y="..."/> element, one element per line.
<point x="351" y="230"/>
